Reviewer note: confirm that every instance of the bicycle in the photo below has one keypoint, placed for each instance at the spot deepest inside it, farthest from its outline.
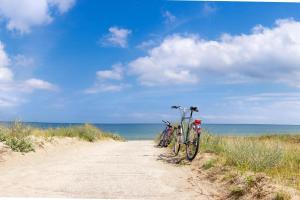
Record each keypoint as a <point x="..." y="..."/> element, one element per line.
<point x="166" y="135"/>
<point x="188" y="133"/>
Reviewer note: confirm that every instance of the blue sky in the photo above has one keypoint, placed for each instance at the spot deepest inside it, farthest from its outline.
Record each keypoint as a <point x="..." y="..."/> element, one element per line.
<point x="129" y="61"/>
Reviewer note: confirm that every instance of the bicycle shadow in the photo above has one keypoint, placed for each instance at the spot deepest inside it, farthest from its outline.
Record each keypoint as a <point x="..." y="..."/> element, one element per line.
<point x="172" y="159"/>
<point x="157" y="146"/>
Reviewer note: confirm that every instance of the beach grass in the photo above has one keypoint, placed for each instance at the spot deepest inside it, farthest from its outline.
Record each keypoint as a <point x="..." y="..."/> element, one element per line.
<point x="278" y="156"/>
<point x="85" y="132"/>
<point x="19" y="136"/>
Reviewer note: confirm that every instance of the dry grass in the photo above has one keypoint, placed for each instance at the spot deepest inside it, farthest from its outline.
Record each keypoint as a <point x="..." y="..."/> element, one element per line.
<point x="278" y="156"/>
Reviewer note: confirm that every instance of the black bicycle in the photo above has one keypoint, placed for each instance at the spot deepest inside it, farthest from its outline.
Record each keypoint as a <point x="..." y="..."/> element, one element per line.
<point x="188" y="132"/>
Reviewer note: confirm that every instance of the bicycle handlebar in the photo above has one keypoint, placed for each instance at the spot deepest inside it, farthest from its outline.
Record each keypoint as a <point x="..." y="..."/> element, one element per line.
<point x="166" y="122"/>
<point x="192" y="108"/>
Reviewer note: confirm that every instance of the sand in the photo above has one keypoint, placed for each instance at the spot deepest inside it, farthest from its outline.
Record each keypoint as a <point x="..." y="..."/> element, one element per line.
<point x="108" y="169"/>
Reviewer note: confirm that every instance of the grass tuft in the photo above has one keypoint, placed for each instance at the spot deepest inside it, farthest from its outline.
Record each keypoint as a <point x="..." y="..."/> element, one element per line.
<point x="20" y="144"/>
<point x="282" y="196"/>
<point x="250" y="181"/>
<point x="209" y="164"/>
<point x="236" y="192"/>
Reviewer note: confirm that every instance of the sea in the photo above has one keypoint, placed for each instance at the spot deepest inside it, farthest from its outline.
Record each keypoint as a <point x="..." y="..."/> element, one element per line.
<point x="149" y="131"/>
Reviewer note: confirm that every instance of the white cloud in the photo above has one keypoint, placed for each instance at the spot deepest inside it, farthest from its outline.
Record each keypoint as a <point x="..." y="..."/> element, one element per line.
<point x="21" y="15"/>
<point x="115" y="74"/>
<point x="63" y="5"/>
<point x="108" y="80"/>
<point x="208" y="8"/>
<point x="106" y="87"/>
<point x="267" y="54"/>
<point x="15" y="92"/>
<point x="38" y="84"/>
<point x="146" y="44"/>
<point x="5" y="73"/>
<point x="22" y="61"/>
<point x="169" y="17"/>
<point x="116" y="37"/>
<point x="4" y="60"/>
<point x="7" y="100"/>
<point x="12" y="90"/>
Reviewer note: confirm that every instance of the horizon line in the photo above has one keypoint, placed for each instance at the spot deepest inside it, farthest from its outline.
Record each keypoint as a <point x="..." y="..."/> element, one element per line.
<point x="120" y="123"/>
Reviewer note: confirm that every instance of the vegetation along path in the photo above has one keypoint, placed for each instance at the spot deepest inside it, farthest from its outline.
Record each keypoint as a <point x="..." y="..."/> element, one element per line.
<point x="106" y="169"/>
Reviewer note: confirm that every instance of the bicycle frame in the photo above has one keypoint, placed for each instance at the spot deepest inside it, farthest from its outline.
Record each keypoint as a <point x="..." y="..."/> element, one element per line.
<point x="185" y="130"/>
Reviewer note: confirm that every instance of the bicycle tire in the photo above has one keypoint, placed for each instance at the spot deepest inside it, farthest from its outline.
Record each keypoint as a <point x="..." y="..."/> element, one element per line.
<point x="192" y="145"/>
<point x="177" y="144"/>
<point x="165" y="139"/>
<point x="169" y="137"/>
<point x="160" y="143"/>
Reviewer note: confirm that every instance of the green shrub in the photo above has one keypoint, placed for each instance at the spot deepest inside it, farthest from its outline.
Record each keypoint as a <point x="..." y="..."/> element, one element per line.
<point x="20" y="145"/>
<point x="87" y="135"/>
<point x="16" y="137"/>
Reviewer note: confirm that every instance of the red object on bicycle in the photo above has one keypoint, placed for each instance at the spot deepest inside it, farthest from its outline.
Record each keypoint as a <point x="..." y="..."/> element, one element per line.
<point x="197" y="121"/>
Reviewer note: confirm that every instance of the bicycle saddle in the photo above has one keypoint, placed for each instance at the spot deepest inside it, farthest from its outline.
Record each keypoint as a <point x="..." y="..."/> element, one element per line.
<point x="195" y="109"/>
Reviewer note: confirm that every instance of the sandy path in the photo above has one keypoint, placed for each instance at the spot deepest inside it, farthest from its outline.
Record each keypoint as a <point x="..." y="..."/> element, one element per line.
<point x="100" y="170"/>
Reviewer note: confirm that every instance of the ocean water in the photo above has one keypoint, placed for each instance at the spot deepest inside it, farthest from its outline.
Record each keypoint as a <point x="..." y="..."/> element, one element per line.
<point x="149" y="131"/>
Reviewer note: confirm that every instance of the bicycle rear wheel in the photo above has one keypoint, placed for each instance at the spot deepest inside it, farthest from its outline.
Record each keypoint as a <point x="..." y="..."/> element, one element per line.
<point x="192" y="146"/>
<point x="161" y="140"/>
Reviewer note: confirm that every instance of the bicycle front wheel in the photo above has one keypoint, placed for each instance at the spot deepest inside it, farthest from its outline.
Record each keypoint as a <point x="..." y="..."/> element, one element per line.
<point x="192" y="145"/>
<point x="177" y="141"/>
